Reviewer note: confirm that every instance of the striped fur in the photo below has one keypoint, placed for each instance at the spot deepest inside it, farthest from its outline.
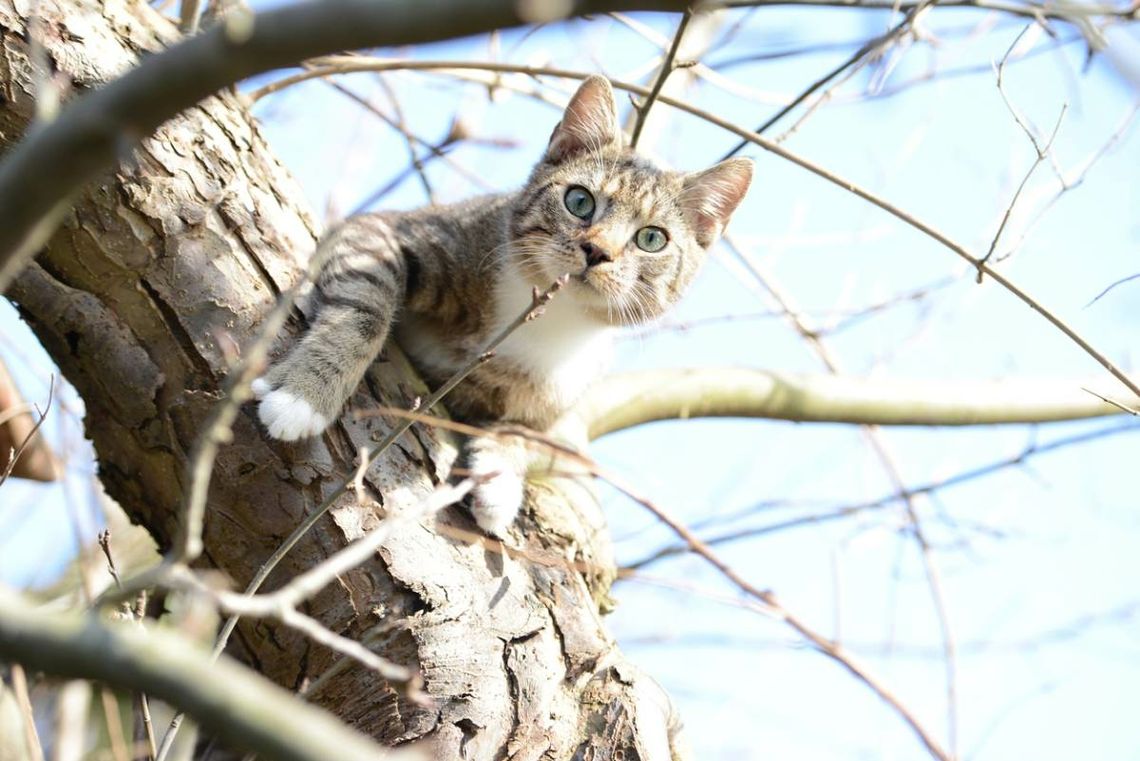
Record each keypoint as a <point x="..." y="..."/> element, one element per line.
<point x="447" y="279"/>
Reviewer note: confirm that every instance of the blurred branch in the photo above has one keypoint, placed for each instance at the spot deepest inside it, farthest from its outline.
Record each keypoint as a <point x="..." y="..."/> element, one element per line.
<point x="188" y="14"/>
<point x="695" y="67"/>
<point x="18" y="436"/>
<point x="33" y="458"/>
<point x="629" y="399"/>
<point x="869" y="50"/>
<point x="32" y="743"/>
<point x="1105" y="292"/>
<point x="223" y="696"/>
<point x="1068" y="11"/>
<point x="847" y="511"/>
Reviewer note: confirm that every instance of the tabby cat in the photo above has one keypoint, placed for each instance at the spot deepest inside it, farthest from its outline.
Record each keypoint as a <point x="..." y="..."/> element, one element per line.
<point x="447" y="279"/>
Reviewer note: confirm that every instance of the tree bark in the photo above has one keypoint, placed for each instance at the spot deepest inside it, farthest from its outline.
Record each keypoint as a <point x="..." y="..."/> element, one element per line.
<point x="178" y="255"/>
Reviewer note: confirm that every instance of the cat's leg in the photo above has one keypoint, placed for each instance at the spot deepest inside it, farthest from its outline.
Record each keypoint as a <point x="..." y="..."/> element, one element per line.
<point x="357" y="291"/>
<point x="501" y="463"/>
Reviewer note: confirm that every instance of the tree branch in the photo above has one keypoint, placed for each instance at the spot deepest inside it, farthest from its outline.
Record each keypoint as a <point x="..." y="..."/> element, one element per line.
<point x="224" y="697"/>
<point x="630" y="399"/>
<point x="1067" y="12"/>
<point x="40" y="175"/>
<point x="344" y="65"/>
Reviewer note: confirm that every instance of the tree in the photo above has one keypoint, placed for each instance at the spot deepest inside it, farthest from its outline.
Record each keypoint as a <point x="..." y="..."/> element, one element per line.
<point x="153" y="297"/>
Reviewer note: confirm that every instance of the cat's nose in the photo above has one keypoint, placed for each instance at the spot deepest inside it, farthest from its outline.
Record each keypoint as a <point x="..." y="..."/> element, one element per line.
<point x="595" y="254"/>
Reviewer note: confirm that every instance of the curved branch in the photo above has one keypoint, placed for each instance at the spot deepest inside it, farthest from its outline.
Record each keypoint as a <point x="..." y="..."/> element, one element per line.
<point x="630" y="399"/>
<point x="224" y="697"/>
<point x="1067" y="12"/>
<point x="53" y="161"/>
<point x="342" y="65"/>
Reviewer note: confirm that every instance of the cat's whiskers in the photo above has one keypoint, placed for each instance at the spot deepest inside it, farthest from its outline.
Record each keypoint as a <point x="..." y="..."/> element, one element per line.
<point x="642" y="298"/>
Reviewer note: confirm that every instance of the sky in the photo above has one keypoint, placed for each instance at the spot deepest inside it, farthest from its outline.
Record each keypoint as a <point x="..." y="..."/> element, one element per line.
<point x="1038" y="563"/>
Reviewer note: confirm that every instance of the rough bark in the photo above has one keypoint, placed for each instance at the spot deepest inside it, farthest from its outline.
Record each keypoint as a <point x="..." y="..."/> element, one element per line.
<point x="183" y="249"/>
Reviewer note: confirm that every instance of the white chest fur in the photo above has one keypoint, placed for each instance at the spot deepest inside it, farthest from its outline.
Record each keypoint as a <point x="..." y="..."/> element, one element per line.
<point x="564" y="349"/>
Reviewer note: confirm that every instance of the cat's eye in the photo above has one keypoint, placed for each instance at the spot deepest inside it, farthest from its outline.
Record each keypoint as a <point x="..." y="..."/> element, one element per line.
<point x="651" y="239"/>
<point x="579" y="202"/>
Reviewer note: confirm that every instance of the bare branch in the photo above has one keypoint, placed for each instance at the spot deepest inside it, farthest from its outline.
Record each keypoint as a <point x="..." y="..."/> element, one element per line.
<point x="668" y="66"/>
<point x="886" y="457"/>
<point x="853" y="509"/>
<point x="224" y="697"/>
<point x="39" y="176"/>
<point x="188" y="14"/>
<point x="1042" y="150"/>
<point x="1104" y="293"/>
<point x="629" y="399"/>
<point x="343" y="65"/>
<point x="13" y="457"/>
<point x="870" y="49"/>
<point x="831" y="649"/>
<point x="1069" y="12"/>
<point x="23" y="701"/>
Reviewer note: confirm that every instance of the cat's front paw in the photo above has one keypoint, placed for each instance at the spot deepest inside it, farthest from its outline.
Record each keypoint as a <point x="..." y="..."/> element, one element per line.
<point x="285" y="415"/>
<point x="495" y="501"/>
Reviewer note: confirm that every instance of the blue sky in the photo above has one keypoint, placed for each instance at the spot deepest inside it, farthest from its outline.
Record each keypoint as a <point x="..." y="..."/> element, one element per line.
<point x="1039" y="563"/>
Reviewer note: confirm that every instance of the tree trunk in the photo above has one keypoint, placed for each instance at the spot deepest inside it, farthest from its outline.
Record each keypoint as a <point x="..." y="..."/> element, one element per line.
<point x="185" y="248"/>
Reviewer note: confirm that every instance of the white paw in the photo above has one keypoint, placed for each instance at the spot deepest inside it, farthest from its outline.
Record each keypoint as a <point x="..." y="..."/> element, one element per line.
<point x="260" y="387"/>
<point x="288" y="417"/>
<point x="495" y="503"/>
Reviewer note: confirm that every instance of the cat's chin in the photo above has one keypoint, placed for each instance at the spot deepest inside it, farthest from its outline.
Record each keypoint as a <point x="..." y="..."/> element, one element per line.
<point x="590" y="296"/>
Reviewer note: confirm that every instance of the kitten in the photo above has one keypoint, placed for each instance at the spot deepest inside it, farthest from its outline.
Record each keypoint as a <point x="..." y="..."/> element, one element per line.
<point x="448" y="279"/>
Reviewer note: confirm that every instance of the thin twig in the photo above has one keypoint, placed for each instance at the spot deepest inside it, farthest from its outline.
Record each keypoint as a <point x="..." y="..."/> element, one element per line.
<point x="870" y="49"/>
<point x="139" y="611"/>
<point x="668" y="66"/>
<point x="1075" y="181"/>
<point x="1071" y="13"/>
<point x="14" y="456"/>
<point x="850" y="510"/>
<point x="341" y="65"/>
<point x="24" y="703"/>
<point x="188" y="14"/>
<point x="398" y="124"/>
<point x="1042" y="150"/>
<point x="409" y="139"/>
<point x="1104" y="293"/>
<point x="695" y="67"/>
<point x="115" y="736"/>
<point x="886" y="458"/>
<point x="1119" y="405"/>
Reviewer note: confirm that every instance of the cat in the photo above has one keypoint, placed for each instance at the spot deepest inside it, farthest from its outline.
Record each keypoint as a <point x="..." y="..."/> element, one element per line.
<point x="447" y="279"/>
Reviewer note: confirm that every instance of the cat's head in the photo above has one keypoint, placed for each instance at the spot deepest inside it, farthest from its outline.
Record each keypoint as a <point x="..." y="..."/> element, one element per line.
<point x="631" y="234"/>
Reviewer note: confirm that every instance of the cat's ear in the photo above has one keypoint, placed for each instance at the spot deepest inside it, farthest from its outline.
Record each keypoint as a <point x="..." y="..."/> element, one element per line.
<point x="590" y="122"/>
<point x="709" y="197"/>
